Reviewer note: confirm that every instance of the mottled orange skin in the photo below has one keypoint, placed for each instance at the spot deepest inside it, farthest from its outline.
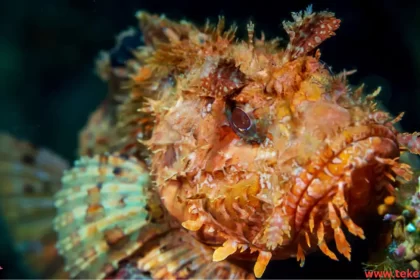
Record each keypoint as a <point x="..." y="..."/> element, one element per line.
<point x="323" y="156"/>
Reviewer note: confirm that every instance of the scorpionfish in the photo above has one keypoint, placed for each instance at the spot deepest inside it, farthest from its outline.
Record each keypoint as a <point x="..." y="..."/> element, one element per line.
<point x="210" y="152"/>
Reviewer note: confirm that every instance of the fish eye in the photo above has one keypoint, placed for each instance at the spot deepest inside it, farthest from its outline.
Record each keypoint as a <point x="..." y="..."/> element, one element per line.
<point x="242" y="123"/>
<point x="240" y="119"/>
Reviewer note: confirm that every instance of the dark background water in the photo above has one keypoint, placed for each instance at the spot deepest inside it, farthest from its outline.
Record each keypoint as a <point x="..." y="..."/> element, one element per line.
<point x="48" y="88"/>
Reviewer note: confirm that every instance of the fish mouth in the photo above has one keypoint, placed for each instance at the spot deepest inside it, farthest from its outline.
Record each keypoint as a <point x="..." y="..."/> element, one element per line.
<point x="338" y="184"/>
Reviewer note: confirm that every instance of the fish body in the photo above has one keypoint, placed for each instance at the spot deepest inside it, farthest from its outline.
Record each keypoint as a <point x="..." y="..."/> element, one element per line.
<point x="209" y="150"/>
<point x="263" y="153"/>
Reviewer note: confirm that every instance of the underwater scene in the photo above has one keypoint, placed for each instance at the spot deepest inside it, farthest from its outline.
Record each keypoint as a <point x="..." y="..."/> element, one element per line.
<point x="210" y="140"/>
